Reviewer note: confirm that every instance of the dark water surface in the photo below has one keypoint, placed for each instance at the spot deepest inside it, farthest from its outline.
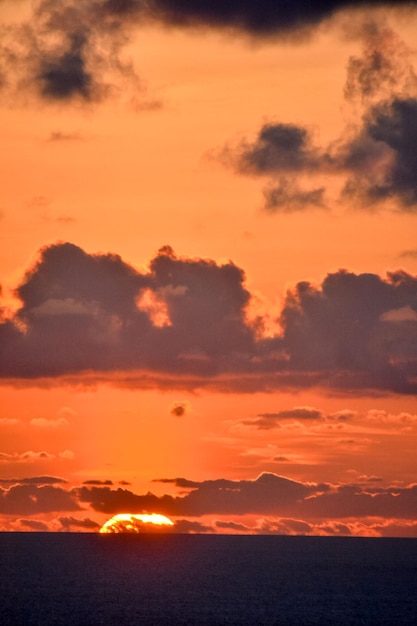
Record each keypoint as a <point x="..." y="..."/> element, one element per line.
<point x="88" y="579"/>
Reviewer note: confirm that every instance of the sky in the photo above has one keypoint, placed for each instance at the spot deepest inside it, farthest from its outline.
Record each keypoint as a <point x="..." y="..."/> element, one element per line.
<point x="208" y="265"/>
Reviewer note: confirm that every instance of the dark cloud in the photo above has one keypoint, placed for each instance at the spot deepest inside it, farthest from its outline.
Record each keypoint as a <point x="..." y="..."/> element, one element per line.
<point x="35" y="480"/>
<point x="87" y="312"/>
<point x="384" y="68"/>
<point x="385" y="149"/>
<point x="343" y="328"/>
<point x="70" y="523"/>
<point x="33" y="524"/>
<point x="98" y="482"/>
<point x="191" y="527"/>
<point x="269" y="495"/>
<point x="409" y="254"/>
<point x="376" y="154"/>
<point x="256" y="17"/>
<point x="284" y="527"/>
<point x="298" y="412"/>
<point x="278" y="148"/>
<point x="182" y="324"/>
<point x="30" y="499"/>
<point x="282" y="151"/>
<point x="354" y="501"/>
<point x="59" y="136"/>
<point x="286" y="506"/>
<point x="72" y="50"/>
<point x="267" y="421"/>
<point x="65" y="74"/>
<point x="119" y="500"/>
<point x="68" y="51"/>
<point x="287" y="197"/>
<point x="232" y="526"/>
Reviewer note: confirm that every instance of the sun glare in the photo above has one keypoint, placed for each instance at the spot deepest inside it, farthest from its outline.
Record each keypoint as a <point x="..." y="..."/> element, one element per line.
<point x="135" y="523"/>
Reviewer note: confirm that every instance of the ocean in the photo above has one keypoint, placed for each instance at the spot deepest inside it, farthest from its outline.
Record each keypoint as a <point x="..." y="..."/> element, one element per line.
<point x="76" y="579"/>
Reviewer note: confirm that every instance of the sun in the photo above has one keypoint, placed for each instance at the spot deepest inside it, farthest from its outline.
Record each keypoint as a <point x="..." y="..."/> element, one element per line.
<point x="136" y="523"/>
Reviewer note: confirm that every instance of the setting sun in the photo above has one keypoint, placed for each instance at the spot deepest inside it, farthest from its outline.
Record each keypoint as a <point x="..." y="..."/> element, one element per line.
<point x="132" y="523"/>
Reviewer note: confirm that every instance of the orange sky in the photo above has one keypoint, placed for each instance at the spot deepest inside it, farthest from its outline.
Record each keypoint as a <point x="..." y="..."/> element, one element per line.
<point x="146" y="367"/>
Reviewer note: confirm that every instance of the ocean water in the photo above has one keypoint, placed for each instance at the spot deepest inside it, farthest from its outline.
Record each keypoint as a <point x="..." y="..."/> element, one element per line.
<point x="167" y="579"/>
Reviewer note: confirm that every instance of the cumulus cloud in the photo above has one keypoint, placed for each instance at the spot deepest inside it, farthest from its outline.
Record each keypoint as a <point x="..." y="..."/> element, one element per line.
<point x="375" y="156"/>
<point x="80" y="313"/>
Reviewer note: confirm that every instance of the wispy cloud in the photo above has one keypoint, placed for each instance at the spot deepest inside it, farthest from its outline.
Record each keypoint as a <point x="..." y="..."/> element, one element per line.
<point x="375" y="156"/>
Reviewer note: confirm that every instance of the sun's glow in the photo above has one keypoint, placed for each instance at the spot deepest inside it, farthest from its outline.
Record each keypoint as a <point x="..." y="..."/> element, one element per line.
<point x="135" y="523"/>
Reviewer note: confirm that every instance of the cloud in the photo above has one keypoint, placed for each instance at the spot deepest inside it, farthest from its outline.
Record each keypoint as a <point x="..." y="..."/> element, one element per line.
<point x="267" y="421"/>
<point x="70" y="523"/>
<point x="35" y="525"/>
<point x="69" y="51"/>
<point x="384" y="68"/>
<point x="9" y="421"/>
<point x="34" y="480"/>
<point x="29" y="499"/>
<point x="339" y="327"/>
<point x="298" y="412"/>
<point x="279" y="504"/>
<point x="268" y="495"/>
<point x="80" y="313"/>
<point x="88" y="306"/>
<point x="57" y="136"/>
<point x="31" y="457"/>
<point x="192" y="527"/>
<point x="259" y="19"/>
<point x="97" y="482"/>
<point x="287" y="197"/>
<point x="42" y="422"/>
<point x="375" y="157"/>
<point x="74" y="50"/>
<point x="25" y="457"/>
<point x="409" y="254"/>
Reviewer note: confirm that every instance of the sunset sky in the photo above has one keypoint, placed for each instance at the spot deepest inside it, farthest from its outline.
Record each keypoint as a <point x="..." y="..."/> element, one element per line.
<point x="208" y="265"/>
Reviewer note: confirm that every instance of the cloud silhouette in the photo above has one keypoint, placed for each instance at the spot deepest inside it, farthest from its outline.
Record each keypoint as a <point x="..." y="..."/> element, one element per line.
<point x="34" y="480"/>
<point x="375" y="157"/>
<point x="281" y="505"/>
<point x="269" y="495"/>
<point x="30" y="499"/>
<point x="84" y="315"/>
